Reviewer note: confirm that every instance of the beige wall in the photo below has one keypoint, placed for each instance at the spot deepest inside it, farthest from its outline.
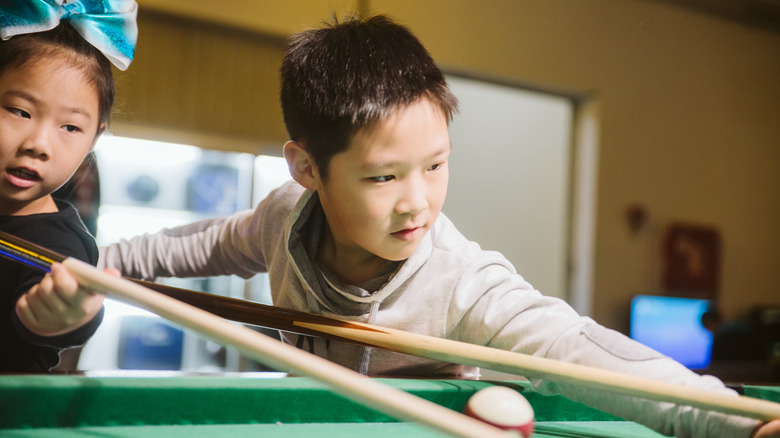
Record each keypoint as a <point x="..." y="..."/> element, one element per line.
<point x="688" y="108"/>
<point x="197" y="83"/>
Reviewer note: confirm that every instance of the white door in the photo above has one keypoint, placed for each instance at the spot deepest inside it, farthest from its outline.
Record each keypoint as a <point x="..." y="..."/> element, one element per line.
<point x="510" y="170"/>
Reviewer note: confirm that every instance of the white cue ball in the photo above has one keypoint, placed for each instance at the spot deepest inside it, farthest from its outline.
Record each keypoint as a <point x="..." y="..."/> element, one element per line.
<point x="502" y="407"/>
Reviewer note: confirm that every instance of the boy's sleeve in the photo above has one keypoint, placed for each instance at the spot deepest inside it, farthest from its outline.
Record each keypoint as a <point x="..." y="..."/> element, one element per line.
<point x="231" y="245"/>
<point x="594" y="345"/>
<point x="511" y="315"/>
<point x="223" y="246"/>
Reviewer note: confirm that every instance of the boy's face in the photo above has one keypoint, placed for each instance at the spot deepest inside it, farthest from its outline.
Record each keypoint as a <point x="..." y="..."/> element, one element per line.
<point x="48" y="121"/>
<point x="386" y="190"/>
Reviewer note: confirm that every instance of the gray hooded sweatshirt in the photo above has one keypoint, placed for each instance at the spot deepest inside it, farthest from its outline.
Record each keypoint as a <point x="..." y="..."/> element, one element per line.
<point x="449" y="288"/>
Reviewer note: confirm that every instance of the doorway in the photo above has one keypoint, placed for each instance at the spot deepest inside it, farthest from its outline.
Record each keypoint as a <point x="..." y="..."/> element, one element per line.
<point x="511" y="177"/>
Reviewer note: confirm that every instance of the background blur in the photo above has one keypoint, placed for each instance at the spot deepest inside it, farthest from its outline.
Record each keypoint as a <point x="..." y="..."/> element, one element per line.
<point x="668" y="115"/>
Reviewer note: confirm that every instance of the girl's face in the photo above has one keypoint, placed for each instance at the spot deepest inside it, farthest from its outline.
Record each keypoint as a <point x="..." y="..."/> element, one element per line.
<point x="48" y="123"/>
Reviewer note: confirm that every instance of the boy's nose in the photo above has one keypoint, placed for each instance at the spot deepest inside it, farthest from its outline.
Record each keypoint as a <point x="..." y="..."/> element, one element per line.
<point x="412" y="199"/>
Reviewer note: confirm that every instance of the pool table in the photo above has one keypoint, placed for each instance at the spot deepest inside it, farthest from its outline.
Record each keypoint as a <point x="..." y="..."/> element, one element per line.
<point x="269" y="405"/>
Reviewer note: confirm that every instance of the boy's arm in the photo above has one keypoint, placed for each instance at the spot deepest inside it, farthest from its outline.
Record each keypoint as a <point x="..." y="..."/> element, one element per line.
<point x="511" y="315"/>
<point x="225" y="246"/>
<point x="221" y="246"/>
<point x="770" y="429"/>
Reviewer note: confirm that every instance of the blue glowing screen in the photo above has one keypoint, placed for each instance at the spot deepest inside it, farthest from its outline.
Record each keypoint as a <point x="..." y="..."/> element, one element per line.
<point x="672" y="326"/>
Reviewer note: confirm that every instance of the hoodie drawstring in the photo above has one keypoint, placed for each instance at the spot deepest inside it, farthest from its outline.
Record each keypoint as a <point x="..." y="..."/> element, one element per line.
<point x="365" y="357"/>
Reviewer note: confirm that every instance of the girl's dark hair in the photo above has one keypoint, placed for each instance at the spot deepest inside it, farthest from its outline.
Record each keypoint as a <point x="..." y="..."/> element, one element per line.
<point x="25" y="48"/>
<point x="340" y="78"/>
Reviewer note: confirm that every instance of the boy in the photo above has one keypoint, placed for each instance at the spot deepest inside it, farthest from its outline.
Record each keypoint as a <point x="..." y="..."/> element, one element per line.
<point x="360" y="234"/>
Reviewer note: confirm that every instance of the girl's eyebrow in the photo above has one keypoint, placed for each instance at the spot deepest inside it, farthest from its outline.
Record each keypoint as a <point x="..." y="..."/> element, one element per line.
<point x="35" y="101"/>
<point x="20" y="94"/>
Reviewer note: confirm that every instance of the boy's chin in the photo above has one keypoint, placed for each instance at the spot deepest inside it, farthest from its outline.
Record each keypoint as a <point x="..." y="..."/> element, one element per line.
<point x="401" y="255"/>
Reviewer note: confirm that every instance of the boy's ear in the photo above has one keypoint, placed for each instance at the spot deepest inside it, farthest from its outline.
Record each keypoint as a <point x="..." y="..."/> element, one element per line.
<point x="301" y="165"/>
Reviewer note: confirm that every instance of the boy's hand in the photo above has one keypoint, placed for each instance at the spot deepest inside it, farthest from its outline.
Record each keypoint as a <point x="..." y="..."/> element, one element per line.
<point x="768" y="430"/>
<point x="57" y="305"/>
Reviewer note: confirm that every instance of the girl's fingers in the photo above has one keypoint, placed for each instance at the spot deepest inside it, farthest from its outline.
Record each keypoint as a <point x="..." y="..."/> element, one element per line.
<point x="25" y="312"/>
<point x="65" y="286"/>
<point x="56" y="304"/>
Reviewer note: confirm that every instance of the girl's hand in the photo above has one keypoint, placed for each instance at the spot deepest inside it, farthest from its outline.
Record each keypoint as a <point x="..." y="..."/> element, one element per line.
<point x="770" y="429"/>
<point x="57" y="304"/>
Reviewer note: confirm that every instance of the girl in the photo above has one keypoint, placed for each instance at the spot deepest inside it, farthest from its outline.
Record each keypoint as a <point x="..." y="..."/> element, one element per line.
<point x="56" y="92"/>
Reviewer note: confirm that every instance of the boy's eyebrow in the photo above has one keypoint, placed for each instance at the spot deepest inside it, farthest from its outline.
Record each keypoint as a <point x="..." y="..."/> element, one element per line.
<point x="35" y="101"/>
<point x="379" y="164"/>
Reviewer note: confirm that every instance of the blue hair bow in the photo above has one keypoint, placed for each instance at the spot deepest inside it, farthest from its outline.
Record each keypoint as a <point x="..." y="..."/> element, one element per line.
<point x="109" y="25"/>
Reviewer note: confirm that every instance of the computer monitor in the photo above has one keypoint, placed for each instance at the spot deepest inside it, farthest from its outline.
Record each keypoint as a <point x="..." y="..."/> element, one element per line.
<point x="672" y="326"/>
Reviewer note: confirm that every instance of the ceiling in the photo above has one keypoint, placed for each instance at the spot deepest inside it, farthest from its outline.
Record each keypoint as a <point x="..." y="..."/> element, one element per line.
<point x="760" y="13"/>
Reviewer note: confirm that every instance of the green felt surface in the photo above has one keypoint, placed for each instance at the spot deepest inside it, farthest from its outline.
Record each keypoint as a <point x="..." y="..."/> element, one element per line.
<point x="78" y="401"/>
<point x="214" y="406"/>
<point x="599" y="429"/>
<point x="763" y="392"/>
<point x="595" y="429"/>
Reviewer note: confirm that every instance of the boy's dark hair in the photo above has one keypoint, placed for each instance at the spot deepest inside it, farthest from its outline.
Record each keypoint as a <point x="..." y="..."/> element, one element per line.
<point x="25" y="48"/>
<point x="340" y="78"/>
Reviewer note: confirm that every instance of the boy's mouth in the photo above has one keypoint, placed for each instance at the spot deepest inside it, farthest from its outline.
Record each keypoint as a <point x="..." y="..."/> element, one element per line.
<point x="407" y="234"/>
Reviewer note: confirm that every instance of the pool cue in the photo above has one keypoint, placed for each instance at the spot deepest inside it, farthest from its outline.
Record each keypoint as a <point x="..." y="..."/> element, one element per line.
<point x="383" y="398"/>
<point x="469" y="354"/>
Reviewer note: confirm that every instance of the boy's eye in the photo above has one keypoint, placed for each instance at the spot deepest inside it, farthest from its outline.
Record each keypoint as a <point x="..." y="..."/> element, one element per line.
<point x="436" y="166"/>
<point x="72" y="128"/>
<point x="383" y="178"/>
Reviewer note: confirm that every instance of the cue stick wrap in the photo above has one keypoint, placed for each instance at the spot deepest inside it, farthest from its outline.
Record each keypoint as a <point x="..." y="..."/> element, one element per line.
<point x="470" y="354"/>
<point x="386" y="399"/>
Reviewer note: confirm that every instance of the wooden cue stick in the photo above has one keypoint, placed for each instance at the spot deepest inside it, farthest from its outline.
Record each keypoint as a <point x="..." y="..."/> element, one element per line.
<point x="470" y="354"/>
<point x="458" y="352"/>
<point x="384" y="398"/>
